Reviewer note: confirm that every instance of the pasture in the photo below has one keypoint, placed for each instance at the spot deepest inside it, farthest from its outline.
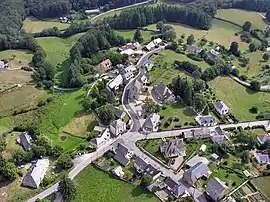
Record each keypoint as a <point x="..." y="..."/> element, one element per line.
<point x="241" y="16"/>
<point x="130" y="33"/>
<point x="57" y="49"/>
<point x="262" y="183"/>
<point x="95" y="185"/>
<point x="240" y="99"/>
<point x="16" y="58"/>
<point x="34" y="25"/>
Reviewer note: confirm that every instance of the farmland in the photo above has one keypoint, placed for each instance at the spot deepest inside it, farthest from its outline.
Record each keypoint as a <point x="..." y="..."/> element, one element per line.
<point x="240" y="99"/>
<point x="16" y="58"/>
<point x="262" y="183"/>
<point x="241" y="16"/>
<point x="95" y="185"/>
<point x="34" y="25"/>
<point x="57" y="49"/>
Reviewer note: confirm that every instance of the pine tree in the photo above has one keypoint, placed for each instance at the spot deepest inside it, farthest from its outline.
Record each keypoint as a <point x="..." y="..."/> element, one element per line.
<point x="138" y="36"/>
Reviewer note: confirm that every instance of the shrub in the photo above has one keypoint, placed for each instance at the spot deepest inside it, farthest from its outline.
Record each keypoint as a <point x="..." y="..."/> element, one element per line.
<point x="176" y="119"/>
<point x="170" y="119"/>
<point x="253" y="110"/>
<point x="186" y="123"/>
<point x="161" y="117"/>
<point x="164" y="107"/>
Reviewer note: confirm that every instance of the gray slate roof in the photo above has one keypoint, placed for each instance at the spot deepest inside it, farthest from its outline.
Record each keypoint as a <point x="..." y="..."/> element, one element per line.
<point x="175" y="187"/>
<point x="140" y="164"/>
<point x="151" y="170"/>
<point x="216" y="188"/>
<point x="195" y="160"/>
<point x="173" y="147"/>
<point x="196" y="172"/>
<point x="208" y="119"/>
<point x="221" y="105"/>
<point x="193" y="49"/>
<point x="163" y="90"/>
<point x="119" y="113"/>
<point x="25" y="140"/>
<point x="135" y="90"/>
<point x="120" y="154"/>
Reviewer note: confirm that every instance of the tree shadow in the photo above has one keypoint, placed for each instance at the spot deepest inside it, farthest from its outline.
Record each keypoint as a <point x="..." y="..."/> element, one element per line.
<point x="249" y="91"/>
<point x="138" y="191"/>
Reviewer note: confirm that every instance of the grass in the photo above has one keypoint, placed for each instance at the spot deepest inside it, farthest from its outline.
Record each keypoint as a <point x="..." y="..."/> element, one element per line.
<point x="58" y="114"/>
<point x="6" y="124"/>
<point x="152" y="146"/>
<point x="34" y="25"/>
<point x="176" y="110"/>
<point x="130" y="33"/>
<point x="95" y="185"/>
<point x="57" y="49"/>
<point x="240" y="99"/>
<point x="241" y="16"/>
<point x="11" y="144"/>
<point x="262" y="183"/>
<point x="16" y="58"/>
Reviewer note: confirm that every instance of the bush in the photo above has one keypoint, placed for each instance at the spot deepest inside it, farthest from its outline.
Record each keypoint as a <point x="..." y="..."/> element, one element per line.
<point x="161" y="117"/>
<point x="178" y="126"/>
<point x="176" y="119"/>
<point x="167" y="124"/>
<point x="243" y="77"/>
<point x="186" y="123"/>
<point x="253" y="110"/>
<point x="164" y="107"/>
<point x="170" y="119"/>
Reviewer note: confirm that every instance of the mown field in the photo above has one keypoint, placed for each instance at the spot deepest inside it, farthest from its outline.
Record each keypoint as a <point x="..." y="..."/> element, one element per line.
<point x="262" y="183"/>
<point x="240" y="99"/>
<point x="95" y="185"/>
<point x="34" y="25"/>
<point x="16" y="58"/>
<point x="130" y="34"/>
<point x="57" y="49"/>
<point x="241" y="16"/>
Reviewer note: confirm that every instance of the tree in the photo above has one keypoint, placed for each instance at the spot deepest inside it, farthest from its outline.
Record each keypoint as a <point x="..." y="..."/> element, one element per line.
<point x="190" y="39"/>
<point x="146" y="180"/>
<point x="169" y="35"/>
<point x="206" y="110"/>
<point x="67" y="189"/>
<point x="3" y="143"/>
<point x="252" y="47"/>
<point x="166" y="28"/>
<point x="255" y="85"/>
<point x="254" y="110"/>
<point x="149" y="106"/>
<point x="159" y="25"/>
<point x="268" y="16"/>
<point x="235" y="72"/>
<point x="87" y="103"/>
<point x="106" y="113"/>
<point x="234" y="48"/>
<point x="138" y="36"/>
<point x="245" y="157"/>
<point x="266" y="56"/>
<point x="39" y="150"/>
<point x="247" y="26"/>
<point x="198" y="102"/>
<point x="64" y="161"/>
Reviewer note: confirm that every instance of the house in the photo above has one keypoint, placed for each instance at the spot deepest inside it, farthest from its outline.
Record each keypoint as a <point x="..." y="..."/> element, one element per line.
<point x="221" y="108"/>
<point x="149" y="65"/>
<point x="36" y="173"/>
<point x="216" y="189"/>
<point x="3" y="65"/>
<point x="140" y="164"/>
<point x="64" y="20"/>
<point x="263" y="138"/>
<point x="152" y="171"/>
<point x="196" y="172"/>
<point x="193" y="49"/>
<point x="146" y="78"/>
<point x="207" y="120"/>
<point x="25" y="140"/>
<point x="174" y="187"/>
<point x="197" y="133"/>
<point x="128" y="52"/>
<point x="118" y="171"/>
<point x="213" y="54"/>
<point x="102" y="139"/>
<point x="162" y="94"/>
<point x="116" y="82"/>
<point x="122" y="155"/>
<point x="262" y="158"/>
<point x="132" y="46"/>
<point x="197" y="159"/>
<point x="218" y="135"/>
<point x="127" y="74"/>
<point x="106" y="64"/>
<point x="118" y="113"/>
<point x="173" y="148"/>
<point x="135" y="90"/>
<point x="153" y="44"/>
<point x="117" y="127"/>
<point x="151" y="123"/>
<point x="92" y="11"/>
<point x="214" y="156"/>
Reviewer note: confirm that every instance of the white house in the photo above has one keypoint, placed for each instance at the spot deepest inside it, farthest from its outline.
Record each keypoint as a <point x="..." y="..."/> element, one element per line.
<point x="221" y="108"/>
<point x="262" y="158"/>
<point x="151" y="123"/>
<point x="153" y="44"/>
<point x="92" y="11"/>
<point x="102" y="139"/>
<point x="3" y="65"/>
<point x="128" y="52"/>
<point x="149" y="65"/>
<point x="207" y="120"/>
<point x="118" y="171"/>
<point x="117" y="127"/>
<point x="115" y="83"/>
<point x="146" y="78"/>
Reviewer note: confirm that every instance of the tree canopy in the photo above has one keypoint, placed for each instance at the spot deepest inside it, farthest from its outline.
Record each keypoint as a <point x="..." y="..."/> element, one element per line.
<point x="67" y="189"/>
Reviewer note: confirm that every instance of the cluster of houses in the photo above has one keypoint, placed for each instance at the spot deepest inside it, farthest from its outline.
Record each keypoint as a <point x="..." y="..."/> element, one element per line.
<point x="130" y="49"/>
<point x="213" y="53"/>
<point x="65" y="20"/>
<point x="154" y="44"/>
<point x="263" y="157"/>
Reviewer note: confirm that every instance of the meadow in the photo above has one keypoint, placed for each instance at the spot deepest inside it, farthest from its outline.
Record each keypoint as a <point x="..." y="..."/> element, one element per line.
<point x="241" y="16"/>
<point x="130" y="34"/>
<point x="57" y="49"/>
<point x="262" y="183"/>
<point x="34" y="25"/>
<point x="95" y="185"/>
<point x="16" y="58"/>
<point x="240" y="99"/>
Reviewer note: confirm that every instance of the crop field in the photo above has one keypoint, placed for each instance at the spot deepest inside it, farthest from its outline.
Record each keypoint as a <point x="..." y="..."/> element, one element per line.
<point x="16" y="58"/>
<point x="241" y="16"/>
<point x="57" y="49"/>
<point x="95" y="185"/>
<point x="12" y="77"/>
<point x="34" y="25"/>
<point x="262" y="183"/>
<point x="240" y="99"/>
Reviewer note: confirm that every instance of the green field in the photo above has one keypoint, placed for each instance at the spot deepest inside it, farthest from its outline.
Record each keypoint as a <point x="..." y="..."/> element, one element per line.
<point x="16" y="58"/>
<point x="240" y="99"/>
<point x="241" y="16"/>
<point x="130" y="33"/>
<point x="262" y="183"/>
<point x="34" y="25"/>
<point x="57" y="49"/>
<point x="95" y="185"/>
<point x="58" y="114"/>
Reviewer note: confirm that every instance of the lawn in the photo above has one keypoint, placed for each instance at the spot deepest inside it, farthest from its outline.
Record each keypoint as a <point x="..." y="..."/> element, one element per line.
<point x="130" y="33"/>
<point x="16" y="58"/>
<point x="240" y="99"/>
<point x="34" y="25"/>
<point x="152" y="146"/>
<point x="12" y="144"/>
<point x="57" y="49"/>
<point x="262" y="183"/>
<point x="58" y="114"/>
<point x="241" y="16"/>
<point x="176" y="110"/>
<point x="95" y="185"/>
<point x="6" y="124"/>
